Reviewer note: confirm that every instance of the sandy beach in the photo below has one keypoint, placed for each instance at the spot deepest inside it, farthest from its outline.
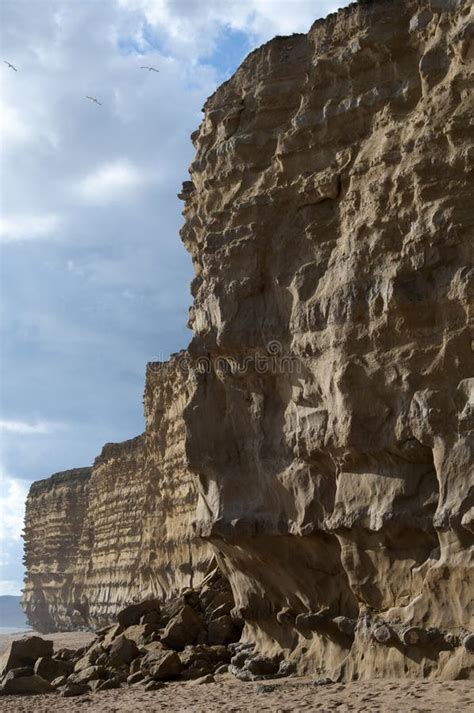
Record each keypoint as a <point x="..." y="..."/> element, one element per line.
<point x="234" y="696"/>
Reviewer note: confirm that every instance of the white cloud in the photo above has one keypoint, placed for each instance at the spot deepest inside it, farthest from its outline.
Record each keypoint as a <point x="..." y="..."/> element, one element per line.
<point x="21" y="228"/>
<point x="110" y="182"/>
<point x="25" y="429"/>
<point x="10" y="587"/>
<point x="13" y="127"/>
<point x="12" y="508"/>
<point x="192" y="27"/>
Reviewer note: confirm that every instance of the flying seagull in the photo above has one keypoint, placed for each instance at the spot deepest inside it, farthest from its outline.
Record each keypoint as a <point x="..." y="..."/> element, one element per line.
<point x="93" y="99"/>
<point x="10" y="65"/>
<point x="151" y="69"/>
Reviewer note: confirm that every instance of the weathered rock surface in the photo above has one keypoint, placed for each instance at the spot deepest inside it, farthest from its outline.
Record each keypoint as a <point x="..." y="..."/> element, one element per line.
<point x="330" y="220"/>
<point x="325" y="404"/>
<point x="99" y="538"/>
<point x="24" y="653"/>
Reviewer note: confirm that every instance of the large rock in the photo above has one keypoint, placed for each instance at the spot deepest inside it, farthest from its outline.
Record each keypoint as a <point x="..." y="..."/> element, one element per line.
<point x="182" y="629"/>
<point x="50" y="668"/>
<point x="24" y="652"/>
<point x="92" y="673"/>
<point x="222" y="630"/>
<point x="123" y="651"/>
<point x="161" y="665"/>
<point x="132" y="614"/>
<point x="25" y="684"/>
<point x="140" y="633"/>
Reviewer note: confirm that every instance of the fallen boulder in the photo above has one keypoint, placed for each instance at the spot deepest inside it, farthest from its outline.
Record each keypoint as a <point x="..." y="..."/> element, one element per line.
<point x="24" y="652"/>
<point x="182" y="629"/>
<point x="132" y="614"/>
<point x="161" y="665"/>
<point x="31" y="685"/>
<point x="50" y="668"/>
<point x="123" y="651"/>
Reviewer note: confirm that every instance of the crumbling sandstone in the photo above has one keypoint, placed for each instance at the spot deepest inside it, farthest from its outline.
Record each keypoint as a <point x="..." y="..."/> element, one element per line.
<point x="318" y="432"/>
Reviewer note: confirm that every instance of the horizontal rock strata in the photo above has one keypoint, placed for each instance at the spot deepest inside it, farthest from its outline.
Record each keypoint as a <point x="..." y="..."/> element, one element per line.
<point x="98" y="538"/>
<point x="318" y="432"/>
<point x="330" y="223"/>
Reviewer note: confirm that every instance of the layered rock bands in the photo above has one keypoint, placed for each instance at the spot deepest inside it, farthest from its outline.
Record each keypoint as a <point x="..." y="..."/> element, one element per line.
<point x="102" y="537"/>
<point x="325" y="408"/>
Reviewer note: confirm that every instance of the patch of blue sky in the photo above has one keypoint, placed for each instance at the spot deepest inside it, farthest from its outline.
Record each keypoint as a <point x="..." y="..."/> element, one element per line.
<point x="149" y="41"/>
<point x="229" y="52"/>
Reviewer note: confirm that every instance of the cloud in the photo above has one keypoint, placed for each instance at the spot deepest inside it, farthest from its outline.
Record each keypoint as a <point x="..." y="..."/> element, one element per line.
<point x="20" y="228"/>
<point x="11" y="587"/>
<point x="12" y="508"/>
<point x="24" y="429"/>
<point x="111" y="181"/>
<point x="194" y="30"/>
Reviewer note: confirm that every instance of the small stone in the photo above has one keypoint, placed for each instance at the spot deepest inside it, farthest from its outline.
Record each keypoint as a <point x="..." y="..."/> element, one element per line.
<point x="108" y="684"/>
<point x="59" y="681"/>
<point x="203" y="679"/>
<point x="265" y="688"/>
<point x="411" y="635"/>
<point x="154" y="686"/>
<point x="322" y="682"/>
<point x="263" y="665"/>
<point x="240" y="658"/>
<point x="135" y="678"/>
<point x="224" y="668"/>
<point x="73" y="689"/>
<point x="468" y="642"/>
<point x="383" y="634"/>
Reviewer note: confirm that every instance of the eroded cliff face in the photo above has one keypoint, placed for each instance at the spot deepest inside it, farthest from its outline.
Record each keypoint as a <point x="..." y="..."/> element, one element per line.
<point x="324" y="409"/>
<point x="329" y="218"/>
<point x="97" y="539"/>
<point x="55" y="511"/>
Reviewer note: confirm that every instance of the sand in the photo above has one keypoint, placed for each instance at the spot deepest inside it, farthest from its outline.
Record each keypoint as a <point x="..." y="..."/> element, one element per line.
<point x="233" y="696"/>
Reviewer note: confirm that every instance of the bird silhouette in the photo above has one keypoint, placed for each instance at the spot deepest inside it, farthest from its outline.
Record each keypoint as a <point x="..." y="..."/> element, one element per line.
<point x="93" y="99"/>
<point x="10" y="65"/>
<point x="151" y="69"/>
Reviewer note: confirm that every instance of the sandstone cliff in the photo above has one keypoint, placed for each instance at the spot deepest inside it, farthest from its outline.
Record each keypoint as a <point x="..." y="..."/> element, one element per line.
<point x="329" y="216"/>
<point x="97" y="539"/>
<point x="325" y="405"/>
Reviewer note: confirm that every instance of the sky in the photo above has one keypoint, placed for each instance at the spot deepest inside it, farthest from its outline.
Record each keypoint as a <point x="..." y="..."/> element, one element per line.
<point x="94" y="278"/>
